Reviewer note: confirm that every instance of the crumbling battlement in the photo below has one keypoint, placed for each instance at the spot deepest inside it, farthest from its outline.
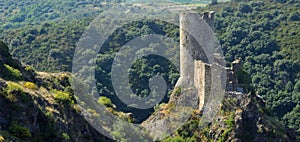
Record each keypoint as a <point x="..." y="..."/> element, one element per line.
<point x="209" y="17"/>
<point x="232" y="83"/>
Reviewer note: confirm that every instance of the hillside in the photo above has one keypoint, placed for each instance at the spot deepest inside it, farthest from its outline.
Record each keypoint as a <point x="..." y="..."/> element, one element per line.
<point x="264" y="35"/>
<point x="242" y="118"/>
<point x="15" y="14"/>
<point x="37" y="106"/>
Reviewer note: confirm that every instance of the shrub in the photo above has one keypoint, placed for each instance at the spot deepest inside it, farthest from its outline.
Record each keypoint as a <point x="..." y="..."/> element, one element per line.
<point x="105" y="101"/>
<point x="2" y="139"/>
<point x="12" y="90"/>
<point x="11" y="73"/>
<point x="29" y="68"/>
<point x="295" y="16"/>
<point x="19" y="131"/>
<point x="230" y="121"/>
<point x="93" y="112"/>
<point x="66" y="137"/>
<point x="177" y="91"/>
<point x="50" y="116"/>
<point x="14" y="86"/>
<point x="245" y="8"/>
<point x="30" y="85"/>
<point x="62" y="97"/>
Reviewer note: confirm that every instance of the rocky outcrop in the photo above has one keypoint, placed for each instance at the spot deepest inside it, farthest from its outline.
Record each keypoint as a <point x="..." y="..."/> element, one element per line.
<point x="6" y="58"/>
<point x="8" y="63"/>
<point x="243" y="117"/>
<point x="169" y="117"/>
<point x="38" y="111"/>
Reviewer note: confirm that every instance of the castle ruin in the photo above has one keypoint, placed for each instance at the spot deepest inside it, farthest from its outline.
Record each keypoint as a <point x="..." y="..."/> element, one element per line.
<point x="202" y="76"/>
<point x="195" y="69"/>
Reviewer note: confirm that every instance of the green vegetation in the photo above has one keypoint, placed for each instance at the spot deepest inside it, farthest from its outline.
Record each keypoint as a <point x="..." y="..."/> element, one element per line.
<point x="66" y="137"/>
<point x="47" y="47"/>
<point x="28" y="111"/>
<point x="93" y="112"/>
<point x="30" y="85"/>
<point x="105" y="101"/>
<point x="265" y="35"/>
<point x="2" y="139"/>
<point x="230" y="121"/>
<point x="29" y="69"/>
<point x="12" y="86"/>
<point x="174" y="139"/>
<point x="19" y="131"/>
<point x="229" y="127"/>
<point x="291" y="118"/>
<point x="62" y="97"/>
<point x="12" y="91"/>
<point x="141" y="70"/>
<point x="19" y="13"/>
<point x="12" y="73"/>
<point x="177" y="91"/>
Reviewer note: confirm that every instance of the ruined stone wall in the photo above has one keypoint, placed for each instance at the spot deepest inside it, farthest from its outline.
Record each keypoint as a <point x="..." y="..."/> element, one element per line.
<point x="232" y="75"/>
<point x="195" y="71"/>
<point x="202" y="79"/>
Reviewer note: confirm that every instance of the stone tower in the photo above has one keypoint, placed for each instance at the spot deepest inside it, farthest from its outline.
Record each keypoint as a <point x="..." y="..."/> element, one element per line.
<point x="195" y="70"/>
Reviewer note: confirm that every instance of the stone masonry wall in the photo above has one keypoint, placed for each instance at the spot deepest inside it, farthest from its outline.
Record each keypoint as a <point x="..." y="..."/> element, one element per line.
<point x="195" y="72"/>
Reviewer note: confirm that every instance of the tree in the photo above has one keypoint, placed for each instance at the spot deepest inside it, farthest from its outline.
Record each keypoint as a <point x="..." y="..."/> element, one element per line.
<point x="295" y="16"/>
<point x="214" y="2"/>
<point x="292" y="118"/>
<point x="297" y="87"/>
<point x="245" y="8"/>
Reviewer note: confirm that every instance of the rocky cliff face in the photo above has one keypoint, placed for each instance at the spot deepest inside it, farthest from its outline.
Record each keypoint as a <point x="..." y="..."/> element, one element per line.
<point x="245" y="118"/>
<point x="37" y="106"/>
<point x="242" y="118"/>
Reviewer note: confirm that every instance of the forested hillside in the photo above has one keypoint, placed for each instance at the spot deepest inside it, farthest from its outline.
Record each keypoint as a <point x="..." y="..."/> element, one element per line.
<point x="49" y="46"/>
<point x="16" y="13"/>
<point x="264" y="34"/>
